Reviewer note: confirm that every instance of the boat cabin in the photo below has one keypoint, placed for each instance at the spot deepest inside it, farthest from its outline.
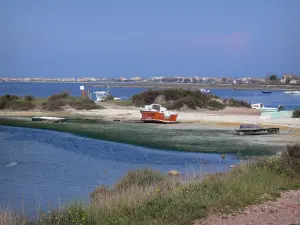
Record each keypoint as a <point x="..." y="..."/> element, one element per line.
<point x="257" y="106"/>
<point x="101" y="95"/>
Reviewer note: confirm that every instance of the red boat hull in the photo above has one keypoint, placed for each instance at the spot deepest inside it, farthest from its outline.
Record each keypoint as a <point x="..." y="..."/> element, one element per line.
<point x="148" y="116"/>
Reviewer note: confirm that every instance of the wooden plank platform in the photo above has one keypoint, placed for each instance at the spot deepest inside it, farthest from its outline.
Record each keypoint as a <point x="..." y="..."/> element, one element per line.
<point x="257" y="131"/>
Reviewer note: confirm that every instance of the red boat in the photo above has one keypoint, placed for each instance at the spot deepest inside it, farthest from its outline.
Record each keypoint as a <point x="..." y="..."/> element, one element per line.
<point x="157" y="113"/>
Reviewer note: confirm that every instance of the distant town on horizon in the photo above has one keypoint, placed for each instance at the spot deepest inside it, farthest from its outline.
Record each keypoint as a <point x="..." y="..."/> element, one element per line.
<point x="269" y="79"/>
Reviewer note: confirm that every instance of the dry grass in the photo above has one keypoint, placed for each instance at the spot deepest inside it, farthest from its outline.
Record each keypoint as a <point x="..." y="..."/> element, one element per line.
<point x="8" y="218"/>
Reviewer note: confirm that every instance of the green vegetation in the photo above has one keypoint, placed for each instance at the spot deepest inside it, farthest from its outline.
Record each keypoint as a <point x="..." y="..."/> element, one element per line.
<point x="296" y="113"/>
<point x="122" y="102"/>
<point x="58" y="101"/>
<point x="236" y="103"/>
<point x="14" y="102"/>
<point x="181" y="98"/>
<point x="153" y="136"/>
<point x="53" y="103"/>
<point x="168" y="200"/>
<point x="178" y="98"/>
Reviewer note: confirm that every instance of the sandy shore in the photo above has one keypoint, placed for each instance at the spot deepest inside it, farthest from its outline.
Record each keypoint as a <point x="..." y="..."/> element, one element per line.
<point x="226" y="117"/>
<point x="229" y="119"/>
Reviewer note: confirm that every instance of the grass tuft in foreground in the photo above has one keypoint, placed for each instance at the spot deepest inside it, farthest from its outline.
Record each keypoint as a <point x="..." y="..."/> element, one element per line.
<point x="168" y="201"/>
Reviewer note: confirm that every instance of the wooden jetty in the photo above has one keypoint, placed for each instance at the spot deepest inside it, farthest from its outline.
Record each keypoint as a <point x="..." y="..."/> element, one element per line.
<point x="255" y="129"/>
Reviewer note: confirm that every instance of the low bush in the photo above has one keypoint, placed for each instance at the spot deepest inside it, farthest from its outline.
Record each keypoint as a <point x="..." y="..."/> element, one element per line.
<point x="288" y="164"/>
<point x="58" y="101"/>
<point x="178" y="98"/>
<point x="29" y="98"/>
<point x="237" y="103"/>
<point x="291" y="159"/>
<point x="296" y="113"/>
<point x="13" y="102"/>
<point x="62" y="95"/>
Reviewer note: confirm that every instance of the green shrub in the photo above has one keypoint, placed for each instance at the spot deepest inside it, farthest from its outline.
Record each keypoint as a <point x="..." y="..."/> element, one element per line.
<point x="76" y="213"/>
<point x="13" y="102"/>
<point x="58" y="101"/>
<point x="59" y="96"/>
<point x="296" y="113"/>
<point x="288" y="164"/>
<point x="177" y="98"/>
<point x="291" y="159"/>
<point x="141" y="178"/>
<point x="237" y="103"/>
<point x="29" y="98"/>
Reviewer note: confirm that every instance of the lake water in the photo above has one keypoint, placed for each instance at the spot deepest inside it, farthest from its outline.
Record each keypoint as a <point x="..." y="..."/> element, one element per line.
<point x="42" y="169"/>
<point x="288" y="101"/>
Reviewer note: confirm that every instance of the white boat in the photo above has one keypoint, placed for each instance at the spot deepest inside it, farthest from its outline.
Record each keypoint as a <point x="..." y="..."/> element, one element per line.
<point x="292" y="92"/>
<point x="261" y="107"/>
<point x="205" y="91"/>
<point x="48" y="119"/>
<point x="101" y="95"/>
<point x="296" y="92"/>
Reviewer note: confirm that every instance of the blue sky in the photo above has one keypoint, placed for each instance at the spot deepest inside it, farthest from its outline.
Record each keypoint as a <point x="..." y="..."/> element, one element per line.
<point x="60" y="38"/>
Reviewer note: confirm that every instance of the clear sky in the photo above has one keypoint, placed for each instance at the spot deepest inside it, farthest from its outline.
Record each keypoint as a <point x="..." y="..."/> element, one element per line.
<point x="60" y="38"/>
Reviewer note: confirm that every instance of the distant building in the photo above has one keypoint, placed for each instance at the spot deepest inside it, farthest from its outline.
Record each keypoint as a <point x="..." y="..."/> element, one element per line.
<point x="136" y="78"/>
<point x="288" y="77"/>
<point x="122" y="79"/>
<point x="295" y="81"/>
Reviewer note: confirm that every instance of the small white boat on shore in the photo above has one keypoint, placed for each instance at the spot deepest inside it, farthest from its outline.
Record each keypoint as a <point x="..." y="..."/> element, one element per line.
<point x="101" y="95"/>
<point x="48" y="119"/>
<point x="205" y="91"/>
<point x="261" y="107"/>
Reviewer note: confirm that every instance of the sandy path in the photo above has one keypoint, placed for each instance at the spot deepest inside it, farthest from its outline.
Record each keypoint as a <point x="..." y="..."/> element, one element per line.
<point x="283" y="211"/>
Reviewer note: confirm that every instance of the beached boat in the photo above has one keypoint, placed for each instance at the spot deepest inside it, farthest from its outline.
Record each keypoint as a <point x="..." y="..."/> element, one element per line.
<point x="205" y="91"/>
<point x="101" y="95"/>
<point x="157" y="113"/>
<point x="261" y="107"/>
<point x="48" y="119"/>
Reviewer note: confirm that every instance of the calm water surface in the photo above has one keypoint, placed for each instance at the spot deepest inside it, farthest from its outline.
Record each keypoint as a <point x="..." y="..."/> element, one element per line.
<point x="43" y="168"/>
<point x="46" y="89"/>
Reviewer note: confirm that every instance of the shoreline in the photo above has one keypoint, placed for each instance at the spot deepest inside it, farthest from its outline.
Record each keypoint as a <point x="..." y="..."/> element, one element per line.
<point x="177" y="85"/>
<point x="196" y="131"/>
